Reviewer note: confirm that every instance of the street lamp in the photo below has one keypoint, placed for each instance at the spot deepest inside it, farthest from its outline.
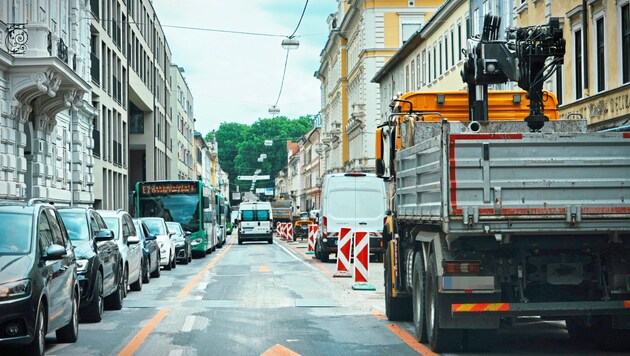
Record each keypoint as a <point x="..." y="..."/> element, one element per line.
<point x="274" y="110"/>
<point x="268" y="143"/>
<point x="290" y="43"/>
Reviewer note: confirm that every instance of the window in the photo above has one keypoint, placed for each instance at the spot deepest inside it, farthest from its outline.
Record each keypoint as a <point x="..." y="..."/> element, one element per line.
<point x="441" y="59"/>
<point x="446" y="52"/>
<point x="407" y="78"/>
<point x="44" y="233"/>
<point x="459" y="40"/>
<point x="424" y="67"/>
<point x="418" y="80"/>
<point x="429" y="78"/>
<point x="413" y="74"/>
<point x="407" y="30"/>
<point x="625" y="42"/>
<point x="55" y="226"/>
<point x="601" y="55"/>
<point x="452" y="47"/>
<point x="434" y="62"/>
<point x="577" y="42"/>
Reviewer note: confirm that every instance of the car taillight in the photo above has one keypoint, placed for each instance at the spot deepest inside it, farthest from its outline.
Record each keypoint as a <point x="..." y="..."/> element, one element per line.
<point x="324" y="225"/>
<point x="384" y="221"/>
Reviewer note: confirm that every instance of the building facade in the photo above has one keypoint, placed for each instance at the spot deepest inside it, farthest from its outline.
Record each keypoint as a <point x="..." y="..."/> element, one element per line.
<point x="594" y="82"/>
<point x="363" y="35"/>
<point x="311" y="171"/>
<point x="46" y="110"/>
<point x="181" y="129"/>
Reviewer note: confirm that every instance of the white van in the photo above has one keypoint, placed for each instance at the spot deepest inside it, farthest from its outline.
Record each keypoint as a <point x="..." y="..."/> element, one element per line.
<point x="255" y="222"/>
<point x="355" y="200"/>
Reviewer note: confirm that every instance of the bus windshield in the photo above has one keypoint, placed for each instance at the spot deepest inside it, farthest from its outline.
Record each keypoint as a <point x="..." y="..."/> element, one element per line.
<point x="181" y="208"/>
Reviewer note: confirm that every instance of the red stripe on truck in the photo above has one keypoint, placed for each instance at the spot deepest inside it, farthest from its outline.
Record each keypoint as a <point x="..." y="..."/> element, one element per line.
<point x="452" y="162"/>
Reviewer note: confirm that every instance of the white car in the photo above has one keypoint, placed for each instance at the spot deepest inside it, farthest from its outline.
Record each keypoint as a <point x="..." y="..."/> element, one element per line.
<point x="126" y="236"/>
<point x="157" y="226"/>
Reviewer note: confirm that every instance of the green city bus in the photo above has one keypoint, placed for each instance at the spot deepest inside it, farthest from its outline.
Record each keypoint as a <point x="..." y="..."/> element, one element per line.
<point x="228" y="219"/>
<point x="188" y="202"/>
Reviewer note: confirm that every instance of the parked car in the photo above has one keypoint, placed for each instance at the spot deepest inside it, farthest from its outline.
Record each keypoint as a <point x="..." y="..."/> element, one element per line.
<point x="99" y="262"/>
<point x="183" y="248"/>
<point x="150" y="251"/>
<point x="39" y="290"/>
<point x="126" y="237"/>
<point x="157" y="226"/>
<point x="300" y="227"/>
<point x="255" y="222"/>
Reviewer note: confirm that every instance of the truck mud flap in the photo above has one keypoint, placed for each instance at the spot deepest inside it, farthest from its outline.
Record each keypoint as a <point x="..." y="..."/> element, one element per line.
<point x="542" y="309"/>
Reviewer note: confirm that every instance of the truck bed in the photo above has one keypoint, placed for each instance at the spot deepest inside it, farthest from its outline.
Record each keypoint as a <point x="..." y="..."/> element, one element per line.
<point x="504" y="179"/>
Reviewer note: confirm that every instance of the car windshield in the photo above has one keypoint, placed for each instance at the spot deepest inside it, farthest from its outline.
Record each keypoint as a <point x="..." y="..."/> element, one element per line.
<point x="15" y="237"/>
<point x="174" y="227"/>
<point x="181" y="208"/>
<point x="156" y="226"/>
<point x="76" y="224"/>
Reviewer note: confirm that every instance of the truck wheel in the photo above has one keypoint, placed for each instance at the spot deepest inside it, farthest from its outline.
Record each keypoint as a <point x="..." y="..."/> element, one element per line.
<point x="440" y="339"/>
<point x="419" y="314"/>
<point x="323" y="255"/>
<point x="316" y="252"/>
<point x="396" y="309"/>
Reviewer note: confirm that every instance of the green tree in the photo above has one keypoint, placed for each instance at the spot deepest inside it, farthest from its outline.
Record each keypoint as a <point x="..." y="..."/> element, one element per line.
<point x="241" y="145"/>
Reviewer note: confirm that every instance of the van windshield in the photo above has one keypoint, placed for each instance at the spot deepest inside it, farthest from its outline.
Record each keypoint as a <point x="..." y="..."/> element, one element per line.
<point x="352" y="204"/>
<point x="254" y="215"/>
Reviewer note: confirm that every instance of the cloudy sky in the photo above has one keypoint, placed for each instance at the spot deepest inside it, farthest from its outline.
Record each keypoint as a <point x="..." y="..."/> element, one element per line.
<point x="235" y="77"/>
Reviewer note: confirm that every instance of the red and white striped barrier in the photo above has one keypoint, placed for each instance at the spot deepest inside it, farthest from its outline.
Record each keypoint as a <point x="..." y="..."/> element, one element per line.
<point x="290" y="232"/>
<point x="283" y="232"/>
<point x="312" y="234"/>
<point x="278" y="225"/>
<point x="361" y="261"/>
<point x="344" y="247"/>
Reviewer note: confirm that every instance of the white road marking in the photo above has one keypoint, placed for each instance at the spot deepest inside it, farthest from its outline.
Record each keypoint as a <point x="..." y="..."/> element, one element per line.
<point x="294" y="256"/>
<point x="176" y="353"/>
<point x="188" y="323"/>
<point x="202" y="286"/>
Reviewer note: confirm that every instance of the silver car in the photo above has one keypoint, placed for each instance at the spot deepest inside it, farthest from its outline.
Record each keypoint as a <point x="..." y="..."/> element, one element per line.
<point x="157" y="226"/>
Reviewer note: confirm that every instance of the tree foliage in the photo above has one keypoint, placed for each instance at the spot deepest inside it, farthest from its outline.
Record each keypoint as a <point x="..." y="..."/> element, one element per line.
<point x="240" y="146"/>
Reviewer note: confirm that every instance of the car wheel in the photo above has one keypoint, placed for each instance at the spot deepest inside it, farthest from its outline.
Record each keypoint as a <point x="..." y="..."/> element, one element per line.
<point x="93" y="312"/>
<point x="70" y="332"/>
<point x="323" y="255"/>
<point x="137" y="285"/>
<point x="189" y="255"/>
<point x="240" y="242"/>
<point x="146" y="275"/>
<point x="114" y="301"/>
<point x="174" y="262"/>
<point x="168" y="266"/>
<point x="38" y="345"/>
<point x="270" y="240"/>
<point x="157" y="272"/>
<point x="316" y="252"/>
<point x="126" y="283"/>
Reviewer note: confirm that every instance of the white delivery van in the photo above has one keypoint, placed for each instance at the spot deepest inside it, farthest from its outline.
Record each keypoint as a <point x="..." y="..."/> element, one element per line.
<point x="255" y="222"/>
<point x="355" y="200"/>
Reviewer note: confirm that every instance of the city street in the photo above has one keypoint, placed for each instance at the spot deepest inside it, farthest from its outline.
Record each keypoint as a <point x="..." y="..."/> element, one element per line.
<point x="257" y="298"/>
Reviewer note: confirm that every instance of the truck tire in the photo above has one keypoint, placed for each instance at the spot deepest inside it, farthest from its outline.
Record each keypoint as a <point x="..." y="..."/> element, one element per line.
<point x="418" y="298"/>
<point x="396" y="309"/>
<point x="440" y="339"/>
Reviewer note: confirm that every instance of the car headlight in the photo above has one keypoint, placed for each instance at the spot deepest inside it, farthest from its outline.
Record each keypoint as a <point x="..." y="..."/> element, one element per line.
<point x="82" y="265"/>
<point x="179" y="243"/>
<point x="15" y="289"/>
<point x="196" y="241"/>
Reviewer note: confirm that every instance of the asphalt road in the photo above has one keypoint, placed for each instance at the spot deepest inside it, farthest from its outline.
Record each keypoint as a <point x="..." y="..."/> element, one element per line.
<point x="258" y="298"/>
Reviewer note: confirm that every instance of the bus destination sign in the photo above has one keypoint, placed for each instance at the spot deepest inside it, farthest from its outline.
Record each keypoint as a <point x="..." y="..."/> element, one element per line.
<point x="165" y="188"/>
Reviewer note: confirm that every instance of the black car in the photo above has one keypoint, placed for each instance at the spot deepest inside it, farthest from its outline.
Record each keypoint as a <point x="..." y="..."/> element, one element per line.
<point x="99" y="262"/>
<point x="150" y="251"/>
<point x="183" y="247"/>
<point x="39" y="290"/>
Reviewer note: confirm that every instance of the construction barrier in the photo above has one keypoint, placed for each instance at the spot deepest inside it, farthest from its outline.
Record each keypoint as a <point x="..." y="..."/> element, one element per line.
<point x="284" y="231"/>
<point x="278" y="225"/>
<point x="290" y="232"/>
<point x="312" y="235"/>
<point x="344" y="247"/>
<point x="361" y="261"/>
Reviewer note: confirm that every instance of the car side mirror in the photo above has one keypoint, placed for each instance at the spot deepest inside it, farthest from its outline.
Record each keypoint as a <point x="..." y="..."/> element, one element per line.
<point x="188" y="233"/>
<point x="150" y="237"/>
<point x="55" y="252"/>
<point x="132" y="240"/>
<point x="104" y="235"/>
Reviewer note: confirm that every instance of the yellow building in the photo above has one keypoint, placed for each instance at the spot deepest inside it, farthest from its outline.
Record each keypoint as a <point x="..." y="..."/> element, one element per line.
<point x="594" y="82"/>
<point x="363" y="35"/>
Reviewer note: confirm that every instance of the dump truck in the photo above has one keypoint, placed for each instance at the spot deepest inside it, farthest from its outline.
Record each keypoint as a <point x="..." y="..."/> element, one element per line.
<point x="281" y="209"/>
<point x="497" y="210"/>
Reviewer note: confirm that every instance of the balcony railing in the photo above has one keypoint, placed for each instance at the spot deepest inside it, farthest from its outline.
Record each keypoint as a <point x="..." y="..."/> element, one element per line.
<point x="17" y="38"/>
<point x="95" y="69"/>
<point x="62" y="51"/>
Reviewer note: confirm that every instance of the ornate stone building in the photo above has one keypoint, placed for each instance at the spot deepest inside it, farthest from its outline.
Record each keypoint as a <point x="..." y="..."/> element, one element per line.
<point x="45" y="101"/>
